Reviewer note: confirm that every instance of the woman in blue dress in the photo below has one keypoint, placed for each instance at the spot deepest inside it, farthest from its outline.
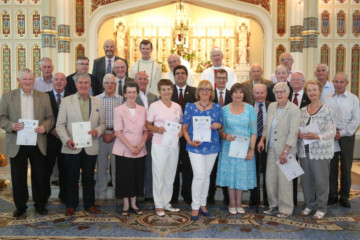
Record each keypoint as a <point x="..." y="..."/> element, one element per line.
<point x="238" y="174"/>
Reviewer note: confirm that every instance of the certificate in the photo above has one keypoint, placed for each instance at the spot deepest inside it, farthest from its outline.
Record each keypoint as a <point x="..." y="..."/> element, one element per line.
<point x="291" y="169"/>
<point x="80" y="134"/>
<point x="239" y="147"/>
<point x="201" y="129"/>
<point x="27" y="135"/>
<point x="170" y="138"/>
<point x="313" y="128"/>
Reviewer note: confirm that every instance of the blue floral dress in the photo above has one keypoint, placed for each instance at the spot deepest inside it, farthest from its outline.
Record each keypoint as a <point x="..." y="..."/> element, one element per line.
<point x="237" y="173"/>
<point x="216" y="115"/>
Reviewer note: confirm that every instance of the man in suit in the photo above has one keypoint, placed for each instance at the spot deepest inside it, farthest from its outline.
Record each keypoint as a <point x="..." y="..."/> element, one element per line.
<point x="222" y="96"/>
<point x="256" y="72"/>
<point x="216" y="56"/>
<point x="183" y="94"/>
<point x="27" y="104"/>
<point x="282" y="75"/>
<point x="120" y="71"/>
<point x="145" y="99"/>
<point x="105" y="64"/>
<point x="80" y="107"/>
<point x="260" y="105"/>
<point x="300" y="99"/>
<point x="54" y="144"/>
<point x="149" y="65"/>
<point x="82" y="67"/>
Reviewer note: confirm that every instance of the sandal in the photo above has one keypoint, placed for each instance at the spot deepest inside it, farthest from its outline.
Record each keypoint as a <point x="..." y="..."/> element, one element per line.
<point x="125" y="213"/>
<point x="305" y="212"/>
<point x="318" y="215"/>
<point x="137" y="211"/>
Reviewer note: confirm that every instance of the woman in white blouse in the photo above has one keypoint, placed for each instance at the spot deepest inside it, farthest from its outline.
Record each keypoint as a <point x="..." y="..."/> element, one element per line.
<point x="315" y="156"/>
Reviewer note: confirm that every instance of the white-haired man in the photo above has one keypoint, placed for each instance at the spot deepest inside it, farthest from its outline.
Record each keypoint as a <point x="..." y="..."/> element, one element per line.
<point x="287" y="61"/>
<point x="173" y="61"/>
<point x="322" y="74"/>
<point x="44" y="83"/>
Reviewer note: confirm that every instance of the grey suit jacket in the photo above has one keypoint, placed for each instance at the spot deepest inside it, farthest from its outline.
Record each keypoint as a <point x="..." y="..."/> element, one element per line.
<point x="151" y="98"/>
<point x="248" y="92"/>
<point x="287" y="127"/>
<point x="69" y="113"/>
<point x="10" y="112"/>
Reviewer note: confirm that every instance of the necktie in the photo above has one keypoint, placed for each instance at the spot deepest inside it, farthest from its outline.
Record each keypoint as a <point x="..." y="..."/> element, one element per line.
<point x="260" y="124"/>
<point x="58" y="100"/>
<point x="108" y="68"/>
<point x="181" y="98"/>
<point x="295" y="101"/>
<point x="120" y="88"/>
<point x="215" y="70"/>
<point x="221" y="98"/>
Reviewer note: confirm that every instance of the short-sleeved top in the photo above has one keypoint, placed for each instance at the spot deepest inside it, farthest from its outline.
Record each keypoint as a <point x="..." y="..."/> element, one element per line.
<point x="159" y="113"/>
<point x="216" y="114"/>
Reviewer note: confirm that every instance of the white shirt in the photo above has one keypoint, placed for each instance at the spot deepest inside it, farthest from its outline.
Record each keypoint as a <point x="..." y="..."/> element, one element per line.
<point x="299" y="96"/>
<point x="27" y="105"/>
<point x="144" y="99"/>
<point x="209" y="74"/>
<point x="274" y="80"/>
<point x="189" y="81"/>
<point x="178" y="90"/>
<point x="107" y="62"/>
<point x="218" y="94"/>
<point x="256" y="107"/>
<point x="327" y="89"/>
<point x="346" y="112"/>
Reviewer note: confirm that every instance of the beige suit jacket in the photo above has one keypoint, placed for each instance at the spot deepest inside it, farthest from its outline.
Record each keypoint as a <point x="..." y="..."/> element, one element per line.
<point x="248" y="91"/>
<point x="10" y="112"/>
<point x="69" y="113"/>
<point x="287" y="127"/>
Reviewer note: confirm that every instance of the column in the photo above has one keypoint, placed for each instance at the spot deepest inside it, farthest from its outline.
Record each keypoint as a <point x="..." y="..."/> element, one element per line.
<point x="296" y="9"/>
<point x="64" y="40"/>
<point x="48" y="30"/>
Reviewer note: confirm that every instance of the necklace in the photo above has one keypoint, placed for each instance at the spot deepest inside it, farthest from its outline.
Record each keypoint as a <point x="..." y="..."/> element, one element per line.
<point x="204" y="107"/>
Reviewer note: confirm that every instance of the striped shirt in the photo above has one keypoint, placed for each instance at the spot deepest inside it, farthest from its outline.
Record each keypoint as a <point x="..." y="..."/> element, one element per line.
<point x="109" y="104"/>
<point x="41" y="85"/>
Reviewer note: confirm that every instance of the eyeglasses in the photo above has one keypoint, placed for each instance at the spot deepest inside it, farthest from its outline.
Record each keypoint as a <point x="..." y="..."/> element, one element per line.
<point x="279" y="92"/>
<point x="110" y="83"/>
<point x="287" y="59"/>
<point x="204" y="89"/>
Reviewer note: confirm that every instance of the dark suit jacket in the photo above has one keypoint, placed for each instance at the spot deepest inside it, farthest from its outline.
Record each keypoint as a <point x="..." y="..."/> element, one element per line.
<point x="304" y="101"/>
<point x="248" y="89"/>
<point x="99" y="68"/>
<point x="189" y="95"/>
<point x="71" y="88"/>
<point x="151" y="98"/>
<point x="127" y="79"/>
<point x="228" y="98"/>
<point x="271" y="96"/>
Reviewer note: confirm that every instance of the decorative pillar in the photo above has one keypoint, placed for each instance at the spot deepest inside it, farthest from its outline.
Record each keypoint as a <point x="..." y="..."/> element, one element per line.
<point x="48" y="30"/>
<point x="296" y="40"/>
<point x="310" y="34"/>
<point x="64" y="40"/>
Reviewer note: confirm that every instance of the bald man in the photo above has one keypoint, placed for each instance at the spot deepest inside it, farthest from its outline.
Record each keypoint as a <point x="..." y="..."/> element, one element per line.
<point x="174" y="60"/>
<point x="105" y="64"/>
<point x="286" y="60"/>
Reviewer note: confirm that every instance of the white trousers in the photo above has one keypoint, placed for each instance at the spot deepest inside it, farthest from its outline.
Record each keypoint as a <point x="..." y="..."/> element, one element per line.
<point x="102" y="177"/>
<point x="202" y="166"/>
<point x="164" y="164"/>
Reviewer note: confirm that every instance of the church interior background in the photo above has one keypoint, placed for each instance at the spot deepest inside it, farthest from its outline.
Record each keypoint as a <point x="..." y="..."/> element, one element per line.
<point x="248" y="31"/>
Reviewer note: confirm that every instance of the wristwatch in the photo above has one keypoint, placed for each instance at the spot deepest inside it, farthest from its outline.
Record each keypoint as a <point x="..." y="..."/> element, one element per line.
<point x="285" y="151"/>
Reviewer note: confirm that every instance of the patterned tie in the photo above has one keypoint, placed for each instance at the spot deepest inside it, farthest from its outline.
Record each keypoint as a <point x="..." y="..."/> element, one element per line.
<point x="221" y="98"/>
<point x="181" y="98"/>
<point x="260" y="124"/>
<point x="295" y="101"/>
<point x="120" y="88"/>
<point x="108" y="68"/>
<point x="58" y="100"/>
<point x="215" y="70"/>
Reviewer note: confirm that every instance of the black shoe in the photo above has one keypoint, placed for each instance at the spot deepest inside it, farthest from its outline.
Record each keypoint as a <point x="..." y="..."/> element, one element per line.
<point x="332" y="201"/>
<point x="174" y="201"/>
<point x="211" y="200"/>
<point x="345" y="202"/>
<point x="109" y="184"/>
<point x="41" y="210"/>
<point x="226" y="201"/>
<point x="55" y="183"/>
<point x="19" y="214"/>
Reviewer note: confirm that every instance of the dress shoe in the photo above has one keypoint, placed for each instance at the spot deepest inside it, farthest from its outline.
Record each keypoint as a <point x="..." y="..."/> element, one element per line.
<point x="70" y="212"/>
<point x="194" y="218"/>
<point x="202" y="212"/>
<point x="55" y="183"/>
<point x="109" y="184"/>
<point x="41" y="210"/>
<point x="332" y="201"/>
<point x="160" y="213"/>
<point x="93" y="209"/>
<point x="211" y="200"/>
<point x="232" y="211"/>
<point x="171" y="209"/>
<point x="19" y="214"/>
<point x="282" y="215"/>
<point x="345" y="202"/>
<point x="240" y="210"/>
<point x="271" y="210"/>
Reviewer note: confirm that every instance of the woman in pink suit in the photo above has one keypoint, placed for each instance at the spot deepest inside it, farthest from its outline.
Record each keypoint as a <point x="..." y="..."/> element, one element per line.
<point x="129" y="149"/>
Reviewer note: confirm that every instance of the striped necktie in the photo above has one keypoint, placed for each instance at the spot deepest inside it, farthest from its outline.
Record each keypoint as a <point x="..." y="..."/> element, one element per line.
<point x="260" y="124"/>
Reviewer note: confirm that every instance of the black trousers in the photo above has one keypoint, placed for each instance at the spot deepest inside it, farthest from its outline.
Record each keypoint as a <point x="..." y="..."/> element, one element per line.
<point x="260" y="158"/>
<point x="184" y="166"/>
<point x="345" y="157"/>
<point x="54" y="155"/>
<point x="19" y="168"/>
<point x="74" y="163"/>
<point x="212" y="186"/>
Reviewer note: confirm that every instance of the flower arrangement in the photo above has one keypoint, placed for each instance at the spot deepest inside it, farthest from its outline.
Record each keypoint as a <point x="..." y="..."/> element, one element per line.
<point x="184" y="52"/>
<point x="203" y="65"/>
<point x="163" y="66"/>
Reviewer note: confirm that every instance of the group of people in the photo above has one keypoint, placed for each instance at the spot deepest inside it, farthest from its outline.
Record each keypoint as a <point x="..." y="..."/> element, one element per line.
<point x="144" y="129"/>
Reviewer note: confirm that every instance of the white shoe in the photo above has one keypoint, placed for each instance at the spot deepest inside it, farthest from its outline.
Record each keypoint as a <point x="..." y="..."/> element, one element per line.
<point x="232" y="210"/>
<point x="270" y="210"/>
<point x="318" y="215"/>
<point x="171" y="209"/>
<point x="305" y="212"/>
<point x="240" y="210"/>
<point x="282" y="215"/>
<point x="160" y="213"/>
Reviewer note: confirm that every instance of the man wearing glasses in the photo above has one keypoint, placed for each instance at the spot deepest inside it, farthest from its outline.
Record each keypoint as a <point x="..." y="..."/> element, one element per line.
<point x="82" y="67"/>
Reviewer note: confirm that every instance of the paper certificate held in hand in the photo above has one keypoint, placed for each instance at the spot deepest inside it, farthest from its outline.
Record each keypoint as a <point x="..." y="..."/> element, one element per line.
<point x="170" y="138"/>
<point x="27" y="135"/>
<point x="81" y="137"/>
<point x="201" y="129"/>
<point x="313" y="128"/>
<point x="291" y="169"/>
<point x="239" y="147"/>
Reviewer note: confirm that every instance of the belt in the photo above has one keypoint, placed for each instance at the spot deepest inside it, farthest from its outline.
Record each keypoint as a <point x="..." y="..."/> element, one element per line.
<point x="110" y="129"/>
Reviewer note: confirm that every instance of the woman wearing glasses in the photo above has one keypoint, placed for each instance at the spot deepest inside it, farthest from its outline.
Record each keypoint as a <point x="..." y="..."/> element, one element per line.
<point x="202" y="153"/>
<point x="281" y="134"/>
